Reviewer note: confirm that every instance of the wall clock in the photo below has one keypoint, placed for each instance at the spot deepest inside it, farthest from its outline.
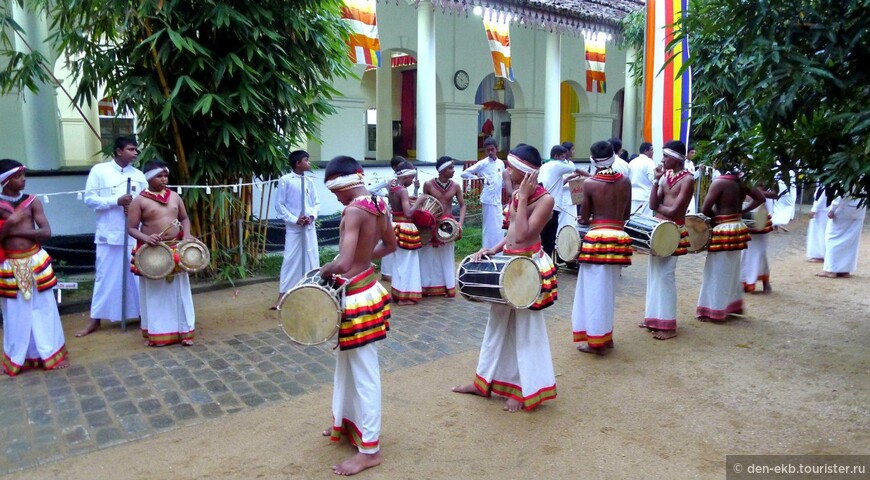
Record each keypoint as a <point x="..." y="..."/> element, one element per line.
<point x="460" y="79"/>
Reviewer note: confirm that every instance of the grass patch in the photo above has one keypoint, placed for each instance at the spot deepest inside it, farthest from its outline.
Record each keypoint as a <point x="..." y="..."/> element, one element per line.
<point x="469" y="243"/>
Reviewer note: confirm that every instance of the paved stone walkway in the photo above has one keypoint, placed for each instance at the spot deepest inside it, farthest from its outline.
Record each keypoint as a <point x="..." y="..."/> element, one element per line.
<point x="47" y="416"/>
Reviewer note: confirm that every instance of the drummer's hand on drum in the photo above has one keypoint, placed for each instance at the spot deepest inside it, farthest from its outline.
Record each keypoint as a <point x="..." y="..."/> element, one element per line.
<point x="154" y="239"/>
<point x="483" y="252"/>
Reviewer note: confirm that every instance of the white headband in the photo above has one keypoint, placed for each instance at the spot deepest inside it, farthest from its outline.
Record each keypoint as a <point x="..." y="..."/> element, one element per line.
<point x="5" y="176"/>
<point x="154" y="172"/>
<point x="673" y="154"/>
<point x="408" y="172"/>
<point x="520" y="164"/>
<point x="345" y="182"/>
<point x="445" y="165"/>
<point x="603" y="162"/>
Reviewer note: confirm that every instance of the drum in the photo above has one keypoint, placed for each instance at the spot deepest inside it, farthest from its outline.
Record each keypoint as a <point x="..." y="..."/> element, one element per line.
<point x="425" y="236"/>
<point x="657" y="237"/>
<point x="193" y="255"/>
<point x="756" y="219"/>
<point x="428" y="212"/>
<point x="154" y="261"/>
<point x="310" y="312"/>
<point x="514" y="281"/>
<point x="569" y="240"/>
<point x="700" y="232"/>
<point x="448" y="230"/>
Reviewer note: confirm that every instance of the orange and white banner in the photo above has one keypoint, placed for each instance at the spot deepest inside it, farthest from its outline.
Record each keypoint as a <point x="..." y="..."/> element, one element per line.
<point x="365" y="48"/>
<point x="596" y="80"/>
<point x="498" y="35"/>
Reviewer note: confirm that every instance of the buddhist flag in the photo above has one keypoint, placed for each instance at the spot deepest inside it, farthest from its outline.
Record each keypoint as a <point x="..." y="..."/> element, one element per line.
<point x="498" y="36"/>
<point x="365" y="48"/>
<point x="667" y="97"/>
<point x="596" y="81"/>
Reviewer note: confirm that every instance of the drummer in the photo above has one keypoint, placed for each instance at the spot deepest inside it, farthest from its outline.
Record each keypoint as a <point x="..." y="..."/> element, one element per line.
<point x="669" y="200"/>
<point x="365" y="235"/>
<point x="405" y="287"/>
<point x="605" y="249"/>
<point x="754" y="266"/>
<point x="155" y="216"/>
<point x="437" y="263"/>
<point x="721" y="289"/>
<point x="515" y="360"/>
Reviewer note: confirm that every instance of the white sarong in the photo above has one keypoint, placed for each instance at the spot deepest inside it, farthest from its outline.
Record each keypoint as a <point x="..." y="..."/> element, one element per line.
<point x="296" y="261"/>
<point x="842" y="237"/>
<point x="661" y="293"/>
<point x="437" y="275"/>
<point x="112" y="263"/>
<point x="356" y="398"/>
<point x="721" y="290"/>
<point x="515" y="358"/>
<point x="167" y="310"/>
<point x="754" y="267"/>
<point x="32" y="332"/>
<point x="816" y="234"/>
<point x="594" y="304"/>
<point x="492" y="219"/>
<point x="406" y="284"/>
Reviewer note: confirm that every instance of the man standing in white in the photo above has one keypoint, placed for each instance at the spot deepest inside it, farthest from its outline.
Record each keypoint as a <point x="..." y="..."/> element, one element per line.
<point x="641" y="172"/>
<point x="842" y="237"/>
<point x="492" y="171"/>
<point x="298" y="207"/>
<point x="816" y="228"/>
<point x="551" y="176"/>
<point x="106" y="193"/>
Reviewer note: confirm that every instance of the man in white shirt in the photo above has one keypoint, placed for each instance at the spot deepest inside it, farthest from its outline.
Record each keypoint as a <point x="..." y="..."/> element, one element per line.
<point x="492" y="171"/>
<point x="817" y="225"/>
<point x="551" y="176"/>
<point x="619" y="163"/>
<point x="106" y="194"/>
<point x="696" y="173"/>
<point x="842" y="237"/>
<point x="641" y="172"/>
<point x="299" y="210"/>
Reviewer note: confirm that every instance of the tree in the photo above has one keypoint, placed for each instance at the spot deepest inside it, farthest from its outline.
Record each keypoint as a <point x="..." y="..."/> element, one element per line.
<point x="221" y="88"/>
<point x="781" y="85"/>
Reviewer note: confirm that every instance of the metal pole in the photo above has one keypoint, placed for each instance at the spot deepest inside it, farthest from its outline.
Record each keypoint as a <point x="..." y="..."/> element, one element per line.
<point x="304" y="227"/>
<point x="125" y="268"/>
<point x="241" y="244"/>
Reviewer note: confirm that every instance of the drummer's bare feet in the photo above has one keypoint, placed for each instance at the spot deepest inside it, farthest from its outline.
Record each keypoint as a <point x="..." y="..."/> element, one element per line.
<point x="767" y="288"/>
<point x="387" y="278"/>
<point x="148" y="343"/>
<point x="61" y="365"/>
<point x="402" y="303"/>
<point x="664" y="334"/>
<point x="92" y="326"/>
<point x="600" y="351"/>
<point x="327" y="432"/>
<point x="187" y="343"/>
<point x="827" y="275"/>
<point x="357" y="463"/>
<point x="469" y="389"/>
<point x="816" y="260"/>
<point x="651" y="329"/>
<point x="512" y="405"/>
<point x="844" y="275"/>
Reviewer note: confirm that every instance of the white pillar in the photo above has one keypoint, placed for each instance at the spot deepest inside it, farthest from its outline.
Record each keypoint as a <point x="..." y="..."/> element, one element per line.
<point x="590" y="128"/>
<point x="384" y="106"/>
<point x="527" y="127"/>
<point x="457" y="123"/>
<point x="629" y="112"/>
<point x="343" y="132"/>
<point x="426" y="124"/>
<point x="552" y="77"/>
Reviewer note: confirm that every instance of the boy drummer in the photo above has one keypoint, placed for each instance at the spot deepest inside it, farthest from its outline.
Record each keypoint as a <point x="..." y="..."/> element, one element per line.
<point x="32" y="333"/>
<point x="515" y="360"/>
<point x="364" y="234"/>
<point x="405" y="285"/>
<point x="436" y="259"/>
<point x="166" y="305"/>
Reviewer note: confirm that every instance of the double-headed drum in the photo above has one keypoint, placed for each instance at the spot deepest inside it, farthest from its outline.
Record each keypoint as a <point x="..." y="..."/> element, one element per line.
<point x="657" y="237"/>
<point x="569" y="240"/>
<point x="700" y="232"/>
<point x="428" y="212"/>
<point x="311" y="311"/>
<point x="448" y="230"/>
<point x="154" y="261"/>
<point x="193" y="255"/>
<point x="756" y="219"/>
<point x="514" y="281"/>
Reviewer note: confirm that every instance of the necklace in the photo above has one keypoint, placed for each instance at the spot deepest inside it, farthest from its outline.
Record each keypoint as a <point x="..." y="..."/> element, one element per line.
<point x="443" y="185"/>
<point x="12" y="199"/>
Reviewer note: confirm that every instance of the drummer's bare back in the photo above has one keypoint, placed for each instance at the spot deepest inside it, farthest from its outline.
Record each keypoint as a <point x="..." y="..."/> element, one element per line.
<point x="156" y="217"/>
<point x="606" y="201"/>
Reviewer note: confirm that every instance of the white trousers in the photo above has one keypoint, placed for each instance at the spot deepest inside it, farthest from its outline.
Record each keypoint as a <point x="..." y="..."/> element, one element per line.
<point x="492" y="222"/>
<point x="297" y="260"/>
<point x="112" y="264"/>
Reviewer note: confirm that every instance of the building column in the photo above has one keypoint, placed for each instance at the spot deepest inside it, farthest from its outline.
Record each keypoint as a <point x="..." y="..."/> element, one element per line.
<point x="343" y="132"/>
<point x="384" y="106"/>
<point x="590" y="128"/>
<point x="629" y="112"/>
<point x="426" y="85"/>
<point x="552" y="78"/>
<point x="457" y="122"/>
<point x="527" y="126"/>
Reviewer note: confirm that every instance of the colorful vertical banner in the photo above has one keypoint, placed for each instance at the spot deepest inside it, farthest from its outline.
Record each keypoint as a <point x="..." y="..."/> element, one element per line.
<point x="498" y="36"/>
<point x="667" y="97"/>
<point x="596" y="80"/>
<point x="365" y="48"/>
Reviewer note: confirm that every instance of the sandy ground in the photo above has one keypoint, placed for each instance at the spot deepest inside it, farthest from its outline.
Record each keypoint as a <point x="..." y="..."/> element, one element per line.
<point x="790" y="377"/>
